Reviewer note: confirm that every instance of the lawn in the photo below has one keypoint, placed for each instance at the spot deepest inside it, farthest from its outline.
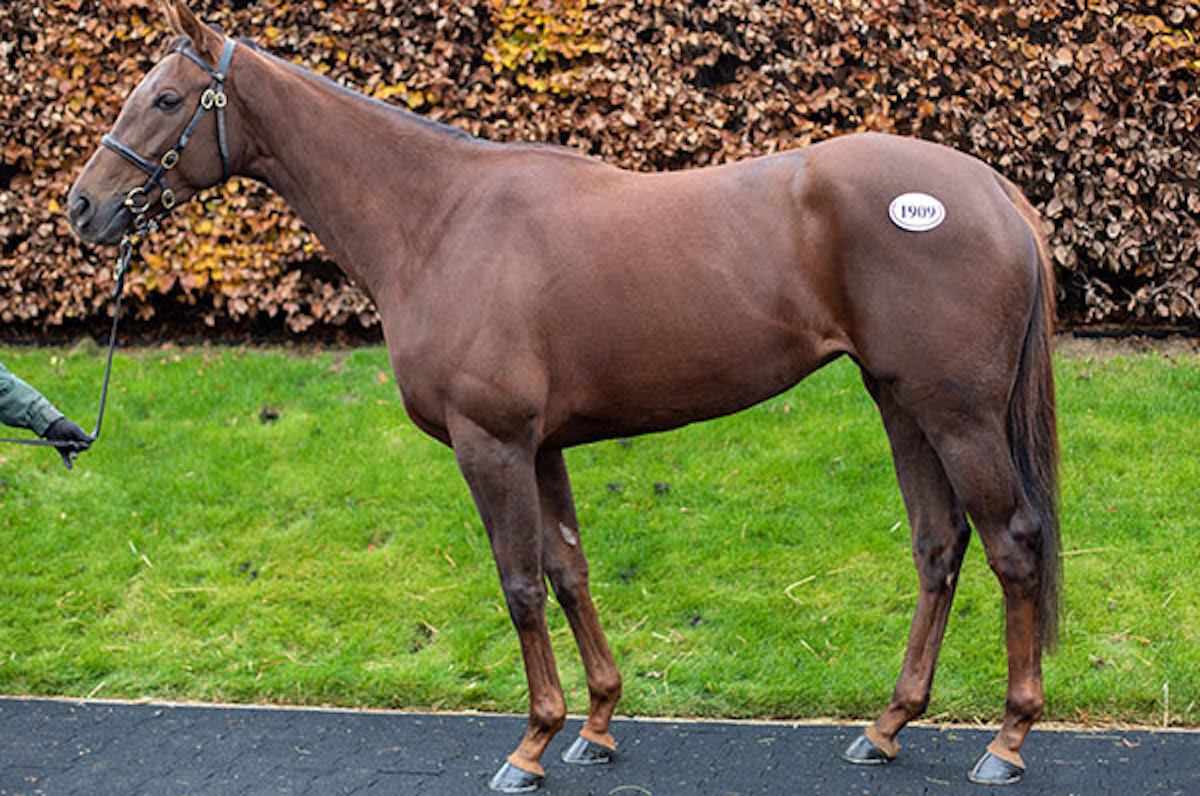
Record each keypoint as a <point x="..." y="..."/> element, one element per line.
<point x="265" y="525"/>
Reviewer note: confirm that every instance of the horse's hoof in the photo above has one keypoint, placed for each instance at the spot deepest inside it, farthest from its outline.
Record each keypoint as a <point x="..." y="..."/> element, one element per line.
<point x="587" y="753"/>
<point x="863" y="752"/>
<point x="993" y="770"/>
<point x="510" y="779"/>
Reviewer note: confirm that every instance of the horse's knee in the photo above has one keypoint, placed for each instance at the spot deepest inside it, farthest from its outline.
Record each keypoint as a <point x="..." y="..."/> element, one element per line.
<point x="526" y="598"/>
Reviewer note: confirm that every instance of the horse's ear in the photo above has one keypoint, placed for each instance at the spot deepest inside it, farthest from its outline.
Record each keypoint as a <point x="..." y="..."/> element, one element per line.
<point x="168" y="9"/>
<point x="205" y="41"/>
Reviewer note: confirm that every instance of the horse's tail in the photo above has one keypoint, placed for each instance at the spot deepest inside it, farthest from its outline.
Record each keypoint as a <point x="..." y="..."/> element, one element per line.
<point x="1032" y="428"/>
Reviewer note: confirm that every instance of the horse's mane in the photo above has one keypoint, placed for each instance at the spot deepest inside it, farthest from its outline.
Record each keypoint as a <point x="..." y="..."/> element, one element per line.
<point x="446" y="129"/>
<point x="179" y="42"/>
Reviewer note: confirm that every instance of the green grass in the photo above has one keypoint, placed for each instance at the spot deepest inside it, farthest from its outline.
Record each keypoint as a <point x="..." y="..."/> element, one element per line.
<point x="333" y="556"/>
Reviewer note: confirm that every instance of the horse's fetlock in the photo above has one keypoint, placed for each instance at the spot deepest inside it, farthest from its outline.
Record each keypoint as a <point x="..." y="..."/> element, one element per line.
<point x="909" y="702"/>
<point x="1026" y="704"/>
<point x="549" y="712"/>
<point x="914" y="707"/>
<point x="606" y="687"/>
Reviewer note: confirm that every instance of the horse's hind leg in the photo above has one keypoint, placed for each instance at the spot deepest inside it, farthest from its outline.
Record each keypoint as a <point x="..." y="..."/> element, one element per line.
<point x="564" y="562"/>
<point x="939" y="537"/>
<point x="980" y="465"/>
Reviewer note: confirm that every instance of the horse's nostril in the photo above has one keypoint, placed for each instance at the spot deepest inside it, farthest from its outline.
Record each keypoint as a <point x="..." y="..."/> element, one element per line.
<point x="80" y="210"/>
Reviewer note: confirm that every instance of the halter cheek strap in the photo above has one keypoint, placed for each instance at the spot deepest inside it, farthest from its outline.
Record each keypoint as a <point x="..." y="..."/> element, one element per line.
<point x="138" y="199"/>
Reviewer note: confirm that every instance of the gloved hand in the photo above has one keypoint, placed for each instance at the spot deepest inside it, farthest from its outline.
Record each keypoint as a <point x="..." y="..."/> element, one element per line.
<point x="63" y="430"/>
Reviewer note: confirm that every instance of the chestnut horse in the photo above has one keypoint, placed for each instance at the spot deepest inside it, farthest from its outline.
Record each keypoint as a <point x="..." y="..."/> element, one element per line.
<point x="533" y="299"/>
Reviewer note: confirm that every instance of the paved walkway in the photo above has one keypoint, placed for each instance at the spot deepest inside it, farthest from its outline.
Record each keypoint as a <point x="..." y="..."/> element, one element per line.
<point x="61" y="748"/>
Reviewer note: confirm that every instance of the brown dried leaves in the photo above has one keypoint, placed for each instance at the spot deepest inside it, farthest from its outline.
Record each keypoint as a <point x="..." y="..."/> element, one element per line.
<point x="1092" y="110"/>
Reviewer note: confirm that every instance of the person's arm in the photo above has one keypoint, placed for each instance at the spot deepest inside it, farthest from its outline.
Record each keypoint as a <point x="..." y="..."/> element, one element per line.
<point x="23" y="406"/>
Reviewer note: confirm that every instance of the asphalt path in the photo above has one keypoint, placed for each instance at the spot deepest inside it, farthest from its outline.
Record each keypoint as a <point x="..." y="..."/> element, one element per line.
<point x="89" y="748"/>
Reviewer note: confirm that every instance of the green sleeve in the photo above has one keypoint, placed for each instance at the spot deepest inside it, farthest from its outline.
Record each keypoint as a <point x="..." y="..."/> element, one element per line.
<point x="23" y="406"/>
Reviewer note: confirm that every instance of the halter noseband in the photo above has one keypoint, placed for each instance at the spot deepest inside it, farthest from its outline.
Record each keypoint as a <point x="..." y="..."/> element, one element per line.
<point x="138" y="199"/>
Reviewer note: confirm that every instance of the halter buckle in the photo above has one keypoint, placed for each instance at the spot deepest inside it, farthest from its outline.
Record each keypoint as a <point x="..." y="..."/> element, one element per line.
<point x="208" y="99"/>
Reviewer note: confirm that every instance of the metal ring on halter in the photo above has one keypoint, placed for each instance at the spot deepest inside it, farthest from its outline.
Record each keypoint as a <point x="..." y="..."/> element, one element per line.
<point x="170" y="158"/>
<point x="131" y="200"/>
<point x="167" y="198"/>
<point x="208" y="98"/>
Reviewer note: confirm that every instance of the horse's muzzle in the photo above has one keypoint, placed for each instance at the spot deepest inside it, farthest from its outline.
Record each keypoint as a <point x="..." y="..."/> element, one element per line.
<point x="95" y="222"/>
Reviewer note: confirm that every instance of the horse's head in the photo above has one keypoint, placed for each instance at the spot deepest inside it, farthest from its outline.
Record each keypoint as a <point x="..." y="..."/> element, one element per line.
<point x="142" y="169"/>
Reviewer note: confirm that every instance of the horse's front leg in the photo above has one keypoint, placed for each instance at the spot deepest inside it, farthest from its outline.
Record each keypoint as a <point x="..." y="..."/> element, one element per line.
<point x="562" y="556"/>
<point x="501" y="475"/>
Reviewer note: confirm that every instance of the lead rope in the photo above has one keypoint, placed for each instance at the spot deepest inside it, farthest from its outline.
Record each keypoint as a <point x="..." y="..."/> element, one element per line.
<point x="125" y="255"/>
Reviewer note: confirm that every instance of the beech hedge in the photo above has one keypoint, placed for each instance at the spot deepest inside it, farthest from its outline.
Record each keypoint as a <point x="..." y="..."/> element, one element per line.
<point x="1090" y="106"/>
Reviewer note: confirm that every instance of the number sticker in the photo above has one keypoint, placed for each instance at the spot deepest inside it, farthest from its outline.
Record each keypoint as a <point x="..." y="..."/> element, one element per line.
<point x="916" y="212"/>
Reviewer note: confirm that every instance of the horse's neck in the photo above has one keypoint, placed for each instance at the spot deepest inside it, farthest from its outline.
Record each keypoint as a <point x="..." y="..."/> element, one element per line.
<point x="368" y="179"/>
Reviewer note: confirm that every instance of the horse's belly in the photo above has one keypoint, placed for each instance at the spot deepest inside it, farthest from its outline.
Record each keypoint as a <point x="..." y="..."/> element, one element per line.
<point x="671" y="387"/>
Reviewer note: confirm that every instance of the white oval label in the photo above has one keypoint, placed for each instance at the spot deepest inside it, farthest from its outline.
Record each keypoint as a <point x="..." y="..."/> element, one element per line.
<point x="916" y="212"/>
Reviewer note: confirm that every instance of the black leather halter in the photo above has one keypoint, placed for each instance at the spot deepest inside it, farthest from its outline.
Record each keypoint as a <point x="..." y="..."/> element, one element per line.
<point x="138" y="199"/>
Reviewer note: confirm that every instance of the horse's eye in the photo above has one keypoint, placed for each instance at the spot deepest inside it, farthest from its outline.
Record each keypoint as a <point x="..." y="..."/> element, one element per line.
<point x="168" y="101"/>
